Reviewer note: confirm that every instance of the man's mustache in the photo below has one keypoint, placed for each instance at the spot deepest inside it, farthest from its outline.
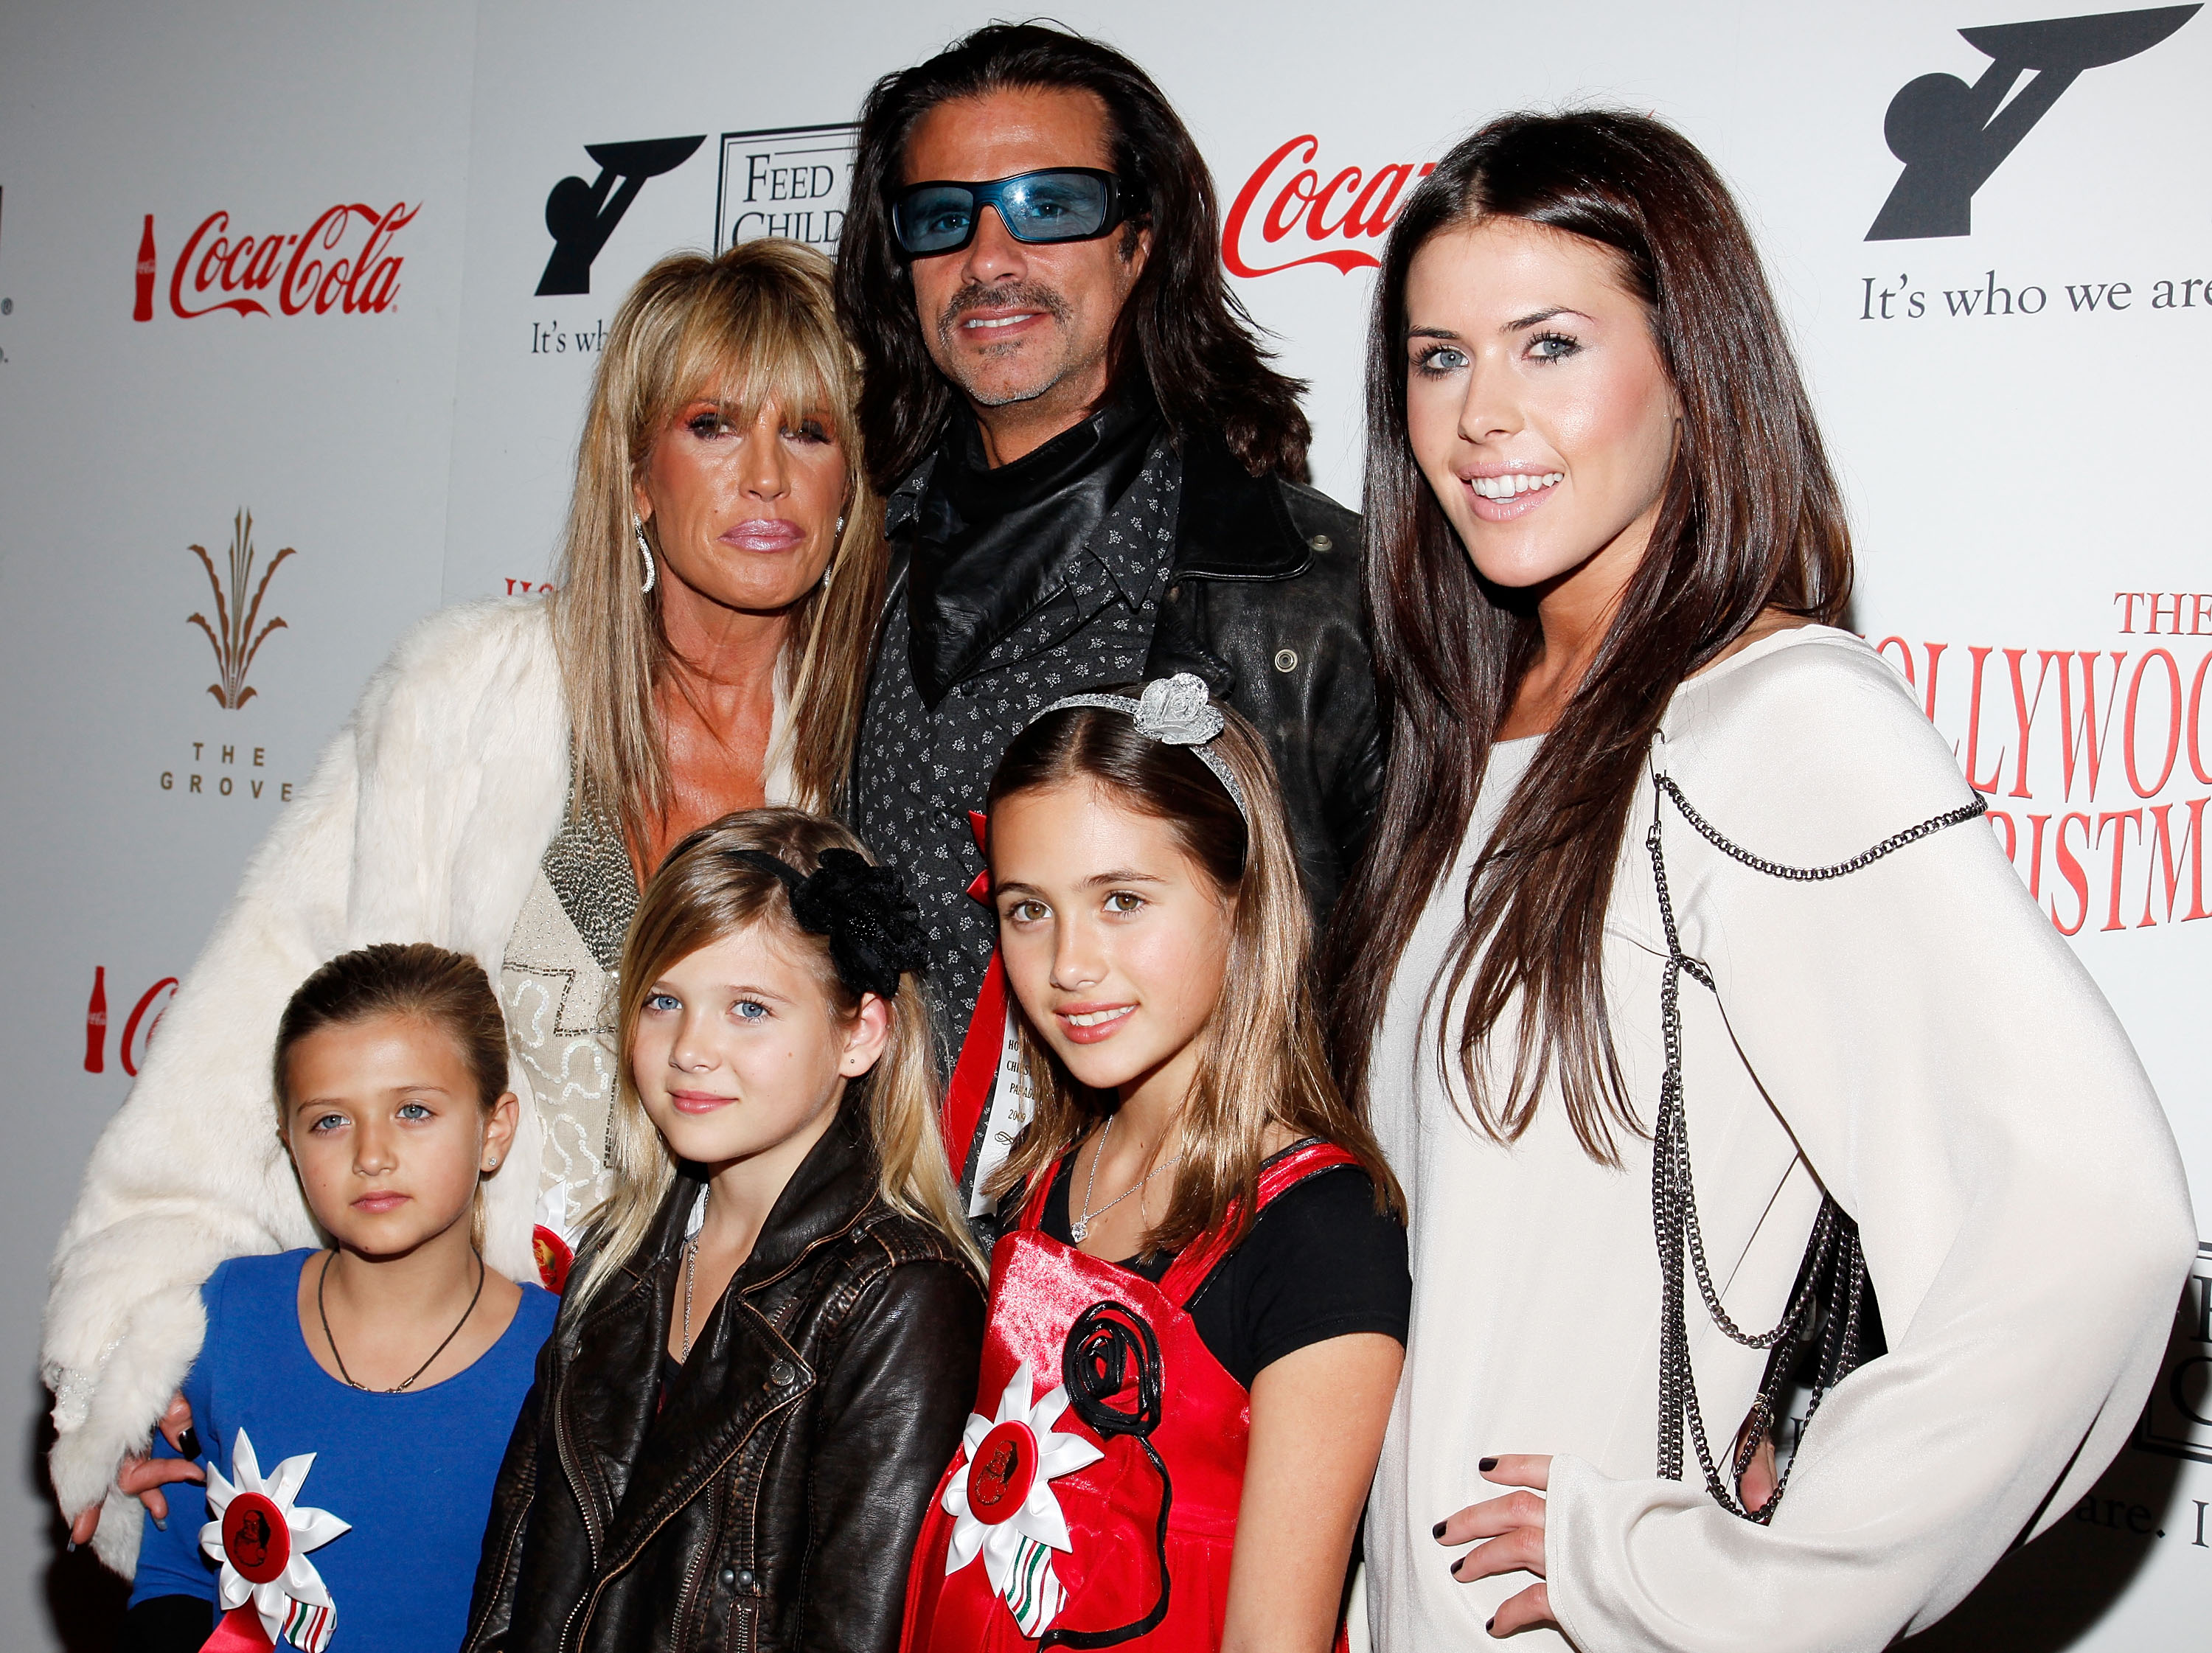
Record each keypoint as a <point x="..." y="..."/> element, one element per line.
<point x="978" y="296"/>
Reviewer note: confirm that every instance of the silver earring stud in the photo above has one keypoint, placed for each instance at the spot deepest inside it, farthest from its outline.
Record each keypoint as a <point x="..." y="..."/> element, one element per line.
<point x="644" y="550"/>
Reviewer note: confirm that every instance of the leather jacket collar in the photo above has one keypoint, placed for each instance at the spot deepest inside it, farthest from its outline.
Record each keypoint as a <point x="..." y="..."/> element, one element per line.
<point x="1233" y="525"/>
<point x="824" y="1195"/>
<point x="631" y="1461"/>
<point x="988" y="543"/>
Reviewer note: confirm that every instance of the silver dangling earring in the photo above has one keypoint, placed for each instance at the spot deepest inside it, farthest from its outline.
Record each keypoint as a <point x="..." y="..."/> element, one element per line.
<point x="645" y="551"/>
<point x="830" y="566"/>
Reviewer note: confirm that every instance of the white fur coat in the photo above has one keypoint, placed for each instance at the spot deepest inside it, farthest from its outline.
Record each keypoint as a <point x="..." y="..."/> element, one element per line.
<point x="424" y="822"/>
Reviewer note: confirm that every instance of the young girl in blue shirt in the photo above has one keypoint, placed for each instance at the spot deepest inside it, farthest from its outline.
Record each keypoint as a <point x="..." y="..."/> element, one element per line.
<point x="349" y="1406"/>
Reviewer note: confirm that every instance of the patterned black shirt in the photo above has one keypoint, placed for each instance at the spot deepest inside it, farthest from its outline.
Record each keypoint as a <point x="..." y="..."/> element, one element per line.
<point x="920" y="771"/>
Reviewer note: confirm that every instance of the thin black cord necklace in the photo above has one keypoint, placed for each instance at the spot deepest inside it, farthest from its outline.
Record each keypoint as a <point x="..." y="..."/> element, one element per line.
<point x="409" y="1381"/>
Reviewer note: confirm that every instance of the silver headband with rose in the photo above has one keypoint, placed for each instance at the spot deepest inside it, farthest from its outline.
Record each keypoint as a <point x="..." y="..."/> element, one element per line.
<point x="1177" y="711"/>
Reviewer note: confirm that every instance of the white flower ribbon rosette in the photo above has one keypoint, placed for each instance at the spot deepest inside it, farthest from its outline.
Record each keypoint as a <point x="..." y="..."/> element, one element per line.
<point x="261" y="1537"/>
<point x="1002" y="1504"/>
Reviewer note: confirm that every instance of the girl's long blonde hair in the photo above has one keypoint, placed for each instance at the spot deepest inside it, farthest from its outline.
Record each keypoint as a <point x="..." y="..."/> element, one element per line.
<point x="1262" y="1063"/>
<point x="756" y="324"/>
<point x="701" y="894"/>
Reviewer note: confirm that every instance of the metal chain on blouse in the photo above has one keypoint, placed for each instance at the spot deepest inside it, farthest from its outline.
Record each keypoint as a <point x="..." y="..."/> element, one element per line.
<point x="1833" y="1248"/>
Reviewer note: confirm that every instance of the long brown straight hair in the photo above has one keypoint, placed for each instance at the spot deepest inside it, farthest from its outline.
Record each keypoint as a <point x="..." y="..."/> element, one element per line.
<point x="1182" y="332"/>
<point x="1751" y="520"/>
<point x="756" y="324"/>
<point x="1263" y="1063"/>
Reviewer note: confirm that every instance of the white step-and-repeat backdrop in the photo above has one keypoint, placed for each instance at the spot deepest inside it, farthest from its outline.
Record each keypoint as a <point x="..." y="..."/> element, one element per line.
<point x="298" y="307"/>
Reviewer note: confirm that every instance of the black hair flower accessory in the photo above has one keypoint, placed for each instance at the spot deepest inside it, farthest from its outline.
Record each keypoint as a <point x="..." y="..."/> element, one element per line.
<point x="873" y="926"/>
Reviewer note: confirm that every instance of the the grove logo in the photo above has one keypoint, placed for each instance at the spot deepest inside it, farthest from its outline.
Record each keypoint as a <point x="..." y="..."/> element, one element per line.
<point x="232" y="636"/>
<point x="1334" y="218"/>
<point x="581" y="215"/>
<point x="342" y="261"/>
<point x="1953" y="137"/>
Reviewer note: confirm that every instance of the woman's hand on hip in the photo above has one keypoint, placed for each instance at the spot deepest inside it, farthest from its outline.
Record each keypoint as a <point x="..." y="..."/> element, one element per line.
<point x="1514" y="1529"/>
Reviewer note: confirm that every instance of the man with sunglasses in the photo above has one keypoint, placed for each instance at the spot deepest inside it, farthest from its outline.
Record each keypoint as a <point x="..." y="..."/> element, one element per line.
<point x="1093" y="476"/>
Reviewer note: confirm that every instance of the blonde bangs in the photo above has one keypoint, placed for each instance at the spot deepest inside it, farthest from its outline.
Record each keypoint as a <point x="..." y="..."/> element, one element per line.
<point x="754" y="327"/>
<point x="758" y="350"/>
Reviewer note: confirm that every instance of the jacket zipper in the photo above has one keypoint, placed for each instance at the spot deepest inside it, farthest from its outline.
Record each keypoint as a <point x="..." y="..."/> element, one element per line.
<point x="579" y="1617"/>
<point x="590" y="1604"/>
<point x="691" y="1593"/>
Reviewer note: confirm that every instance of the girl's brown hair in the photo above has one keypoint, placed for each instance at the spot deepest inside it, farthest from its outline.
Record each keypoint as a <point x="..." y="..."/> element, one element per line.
<point x="756" y="325"/>
<point x="702" y="893"/>
<point x="445" y="989"/>
<point x="1263" y="1063"/>
<point x="1751" y="520"/>
<point x="413" y="979"/>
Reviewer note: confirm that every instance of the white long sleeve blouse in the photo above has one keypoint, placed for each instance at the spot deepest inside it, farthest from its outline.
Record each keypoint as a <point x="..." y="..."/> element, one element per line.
<point x="1915" y="1036"/>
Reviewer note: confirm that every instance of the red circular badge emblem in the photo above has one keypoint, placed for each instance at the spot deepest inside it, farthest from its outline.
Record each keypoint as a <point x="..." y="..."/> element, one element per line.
<point x="553" y="1257"/>
<point x="1005" y="1470"/>
<point x="255" y="1538"/>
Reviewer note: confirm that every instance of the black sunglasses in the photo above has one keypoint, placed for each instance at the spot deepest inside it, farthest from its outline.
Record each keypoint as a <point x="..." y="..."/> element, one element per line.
<point x="1054" y="204"/>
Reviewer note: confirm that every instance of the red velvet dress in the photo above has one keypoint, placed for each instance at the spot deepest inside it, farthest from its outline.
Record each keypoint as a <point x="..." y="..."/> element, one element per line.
<point x="1093" y="1503"/>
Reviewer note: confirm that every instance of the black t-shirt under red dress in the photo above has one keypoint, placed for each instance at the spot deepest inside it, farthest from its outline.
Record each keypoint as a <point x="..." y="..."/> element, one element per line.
<point x="1319" y="1262"/>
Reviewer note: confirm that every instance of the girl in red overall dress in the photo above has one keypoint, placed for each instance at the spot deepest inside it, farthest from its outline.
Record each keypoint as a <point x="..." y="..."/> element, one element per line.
<point x="1198" y="1311"/>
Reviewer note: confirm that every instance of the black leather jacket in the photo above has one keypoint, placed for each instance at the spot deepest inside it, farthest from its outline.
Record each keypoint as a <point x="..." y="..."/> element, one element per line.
<point x="1263" y="602"/>
<point x="776" y="1500"/>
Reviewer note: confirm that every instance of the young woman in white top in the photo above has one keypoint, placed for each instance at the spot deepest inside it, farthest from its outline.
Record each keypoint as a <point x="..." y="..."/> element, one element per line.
<point x="506" y="781"/>
<point x="1608" y="561"/>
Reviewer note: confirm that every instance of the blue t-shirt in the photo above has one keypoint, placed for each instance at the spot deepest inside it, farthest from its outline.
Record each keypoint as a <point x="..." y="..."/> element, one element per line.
<point x="413" y="1472"/>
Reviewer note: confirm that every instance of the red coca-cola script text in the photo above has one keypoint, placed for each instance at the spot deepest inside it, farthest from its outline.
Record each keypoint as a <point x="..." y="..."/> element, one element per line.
<point x="1303" y="209"/>
<point x="342" y="261"/>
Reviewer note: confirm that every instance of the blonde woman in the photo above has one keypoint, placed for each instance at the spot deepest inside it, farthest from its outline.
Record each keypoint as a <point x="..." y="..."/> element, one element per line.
<point x="506" y="781"/>
<point x="766" y="1354"/>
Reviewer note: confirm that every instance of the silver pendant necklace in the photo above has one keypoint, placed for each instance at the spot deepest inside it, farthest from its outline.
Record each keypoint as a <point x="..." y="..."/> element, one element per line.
<point x="691" y="1261"/>
<point x="1080" y="1230"/>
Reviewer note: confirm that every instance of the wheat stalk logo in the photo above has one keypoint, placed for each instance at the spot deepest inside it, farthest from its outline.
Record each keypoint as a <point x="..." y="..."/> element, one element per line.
<point x="233" y="637"/>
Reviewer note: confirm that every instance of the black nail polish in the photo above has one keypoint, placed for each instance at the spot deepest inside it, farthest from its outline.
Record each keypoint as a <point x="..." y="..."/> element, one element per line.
<point x="1456" y="1566"/>
<point x="1487" y="1625"/>
<point x="188" y="1444"/>
<point x="1437" y="1531"/>
<point x="1487" y="1465"/>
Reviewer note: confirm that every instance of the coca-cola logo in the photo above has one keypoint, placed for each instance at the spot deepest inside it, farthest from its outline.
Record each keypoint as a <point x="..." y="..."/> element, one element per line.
<point x="138" y="1027"/>
<point x="342" y="261"/>
<point x="1293" y="211"/>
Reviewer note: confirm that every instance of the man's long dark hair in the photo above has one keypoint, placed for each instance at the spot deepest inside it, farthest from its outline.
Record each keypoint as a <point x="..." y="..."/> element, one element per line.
<point x="1182" y="328"/>
<point x="1751" y="519"/>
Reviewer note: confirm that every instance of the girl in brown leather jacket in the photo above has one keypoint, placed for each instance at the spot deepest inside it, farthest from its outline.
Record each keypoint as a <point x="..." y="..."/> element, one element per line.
<point x="766" y="1354"/>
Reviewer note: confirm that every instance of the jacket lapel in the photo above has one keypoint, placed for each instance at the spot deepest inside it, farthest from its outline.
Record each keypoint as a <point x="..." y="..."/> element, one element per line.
<point x="1233" y="525"/>
<point x="742" y="1371"/>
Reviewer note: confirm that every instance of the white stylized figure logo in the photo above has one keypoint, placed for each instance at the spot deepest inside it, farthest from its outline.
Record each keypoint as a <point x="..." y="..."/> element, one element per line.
<point x="1002" y="1505"/>
<point x="261" y="1537"/>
